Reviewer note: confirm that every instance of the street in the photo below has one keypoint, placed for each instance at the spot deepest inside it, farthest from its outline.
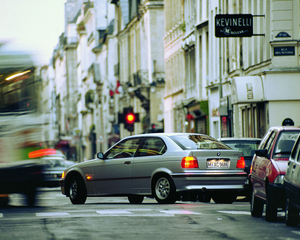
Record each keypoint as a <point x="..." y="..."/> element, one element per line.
<point x="54" y="217"/>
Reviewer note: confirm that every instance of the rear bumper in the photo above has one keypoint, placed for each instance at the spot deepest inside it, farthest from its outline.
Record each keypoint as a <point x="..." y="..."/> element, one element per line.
<point x="210" y="181"/>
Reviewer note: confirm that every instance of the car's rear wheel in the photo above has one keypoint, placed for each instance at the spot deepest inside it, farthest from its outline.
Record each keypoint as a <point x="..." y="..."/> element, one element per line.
<point x="291" y="214"/>
<point x="271" y="208"/>
<point x="31" y="196"/>
<point x="135" y="199"/>
<point x="77" y="190"/>
<point x="164" y="189"/>
<point x="256" y="206"/>
<point x="224" y="197"/>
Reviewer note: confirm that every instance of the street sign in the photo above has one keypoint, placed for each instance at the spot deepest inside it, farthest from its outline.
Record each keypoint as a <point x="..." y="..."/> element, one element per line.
<point x="234" y="25"/>
<point x="284" y="51"/>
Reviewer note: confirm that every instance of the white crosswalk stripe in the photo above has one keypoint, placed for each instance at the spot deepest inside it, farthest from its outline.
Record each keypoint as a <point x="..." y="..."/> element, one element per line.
<point x="106" y="212"/>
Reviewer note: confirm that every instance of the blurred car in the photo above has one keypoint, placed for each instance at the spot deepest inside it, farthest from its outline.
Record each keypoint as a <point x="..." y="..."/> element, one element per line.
<point x="292" y="186"/>
<point x="161" y="165"/>
<point x="248" y="147"/>
<point x="267" y="171"/>
<point x="20" y="177"/>
<point x="53" y="168"/>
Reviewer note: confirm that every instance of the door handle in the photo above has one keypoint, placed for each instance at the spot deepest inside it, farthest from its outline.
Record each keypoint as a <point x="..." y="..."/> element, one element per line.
<point x="127" y="162"/>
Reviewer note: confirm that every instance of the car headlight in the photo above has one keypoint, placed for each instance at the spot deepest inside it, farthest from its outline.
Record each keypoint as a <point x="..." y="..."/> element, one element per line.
<point x="279" y="179"/>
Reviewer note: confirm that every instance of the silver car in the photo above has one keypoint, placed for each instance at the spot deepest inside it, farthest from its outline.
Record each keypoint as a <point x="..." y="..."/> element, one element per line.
<point x="161" y="165"/>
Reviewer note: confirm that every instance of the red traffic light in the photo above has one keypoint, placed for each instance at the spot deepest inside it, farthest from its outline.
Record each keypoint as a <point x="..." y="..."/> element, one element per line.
<point x="130" y="118"/>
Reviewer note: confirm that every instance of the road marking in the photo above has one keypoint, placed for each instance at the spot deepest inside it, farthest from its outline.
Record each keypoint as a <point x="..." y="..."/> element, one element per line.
<point x="174" y="212"/>
<point x="52" y="214"/>
<point x="110" y="212"/>
<point x="236" y="212"/>
<point x="117" y="212"/>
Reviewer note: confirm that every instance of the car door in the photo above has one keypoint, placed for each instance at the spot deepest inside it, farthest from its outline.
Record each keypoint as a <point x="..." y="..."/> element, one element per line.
<point x="148" y="158"/>
<point x="113" y="174"/>
<point x="292" y="176"/>
<point x="259" y="167"/>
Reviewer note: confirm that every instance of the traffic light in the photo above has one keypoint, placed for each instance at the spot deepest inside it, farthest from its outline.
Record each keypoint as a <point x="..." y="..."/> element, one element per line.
<point x="130" y="118"/>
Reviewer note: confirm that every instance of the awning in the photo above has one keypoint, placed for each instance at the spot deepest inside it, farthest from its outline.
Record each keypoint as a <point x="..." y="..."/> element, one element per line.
<point x="247" y="90"/>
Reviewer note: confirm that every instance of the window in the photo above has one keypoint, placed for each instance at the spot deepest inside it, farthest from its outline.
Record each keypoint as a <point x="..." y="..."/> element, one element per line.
<point x="152" y="147"/>
<point x="285" y="143"/>
<point x="124" y="149"/>
<point x="193" y="142"/>
<point x="269" y="143"/>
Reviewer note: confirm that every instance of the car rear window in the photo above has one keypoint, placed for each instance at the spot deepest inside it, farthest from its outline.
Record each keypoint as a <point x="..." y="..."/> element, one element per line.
<point x="193" y="142"/>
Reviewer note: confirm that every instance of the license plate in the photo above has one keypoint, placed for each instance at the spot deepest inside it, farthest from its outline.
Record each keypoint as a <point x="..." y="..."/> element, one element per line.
<point x="218" y="163"/>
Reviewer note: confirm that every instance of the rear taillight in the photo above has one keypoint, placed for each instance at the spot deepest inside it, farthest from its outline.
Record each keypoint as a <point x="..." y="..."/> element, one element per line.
<point x="241" y="163"/>
<point x="189" y="162"/>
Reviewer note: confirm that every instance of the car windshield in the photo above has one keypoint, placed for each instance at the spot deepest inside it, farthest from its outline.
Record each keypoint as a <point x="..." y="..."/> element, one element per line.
<point x="194" y="141"/>
<point x="285" y="143"/>
<point x="246" y="146"/>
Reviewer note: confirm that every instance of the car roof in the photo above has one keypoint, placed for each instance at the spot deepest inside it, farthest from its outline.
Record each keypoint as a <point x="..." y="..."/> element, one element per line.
<point x="284" y="128"/>
<point x="239" y="138"/>
<point x="165" y="134"/>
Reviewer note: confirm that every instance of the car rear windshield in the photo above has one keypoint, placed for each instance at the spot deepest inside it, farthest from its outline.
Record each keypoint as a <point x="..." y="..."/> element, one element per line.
<point x="193" y="141"/>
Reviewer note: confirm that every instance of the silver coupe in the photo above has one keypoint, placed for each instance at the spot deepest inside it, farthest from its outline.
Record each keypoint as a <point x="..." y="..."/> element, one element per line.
<point x="166" y="166"/>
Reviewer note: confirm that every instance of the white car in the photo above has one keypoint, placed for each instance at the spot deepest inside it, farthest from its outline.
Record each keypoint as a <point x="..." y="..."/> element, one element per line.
<point x="161" y="165"/>
<point x="292" y="186"/>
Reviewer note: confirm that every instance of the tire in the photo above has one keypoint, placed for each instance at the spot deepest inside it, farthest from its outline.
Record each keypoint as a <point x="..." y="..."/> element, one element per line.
<point x="224" y="197"/>
<point x="77" y="190"/>
<point x="256" y="206"/>
<point x="164" y="190"/>
<point x="4" y="201"/>
<point x="271" y="208"/>
<point x="31" y="196"/>
<point x="291" y="214"/>
<point x="135" y="199"/>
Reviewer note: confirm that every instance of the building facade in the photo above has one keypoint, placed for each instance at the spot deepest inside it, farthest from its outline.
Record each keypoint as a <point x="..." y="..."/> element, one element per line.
<point x="165" y="61"/>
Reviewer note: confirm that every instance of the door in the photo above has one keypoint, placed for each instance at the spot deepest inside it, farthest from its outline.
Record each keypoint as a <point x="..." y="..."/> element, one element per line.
<point x="148" y="158"/>
<point x="113" y="175"/>
<point x="259" y="167"/>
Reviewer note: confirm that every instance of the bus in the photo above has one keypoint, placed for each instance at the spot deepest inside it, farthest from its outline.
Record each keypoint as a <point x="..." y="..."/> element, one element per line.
<point x="20" y="120"/>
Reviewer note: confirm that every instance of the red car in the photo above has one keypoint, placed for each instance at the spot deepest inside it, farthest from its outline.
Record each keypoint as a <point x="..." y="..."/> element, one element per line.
<point x="267" y="171"/>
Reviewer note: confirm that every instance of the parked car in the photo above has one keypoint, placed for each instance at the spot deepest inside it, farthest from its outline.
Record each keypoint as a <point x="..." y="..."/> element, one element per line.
<point x="53" y="167"/>
<point x="248" y="147"/>
<point x="292" y="186"/>
<point x="268" y="168"/>
<point x="160" y="165"/>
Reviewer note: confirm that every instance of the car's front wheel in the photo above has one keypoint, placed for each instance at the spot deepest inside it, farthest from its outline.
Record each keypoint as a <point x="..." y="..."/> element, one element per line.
<point x="164" y="190"/>
<point x="291" y="214"/>
<point x="256" y="206"/>
<point x="77" y="190"/>
<point x="135" y="199"/>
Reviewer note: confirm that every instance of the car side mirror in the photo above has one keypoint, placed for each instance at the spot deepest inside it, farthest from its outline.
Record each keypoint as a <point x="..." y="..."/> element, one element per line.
<point x="100" y="155"/>
<point x="261" y="152"/>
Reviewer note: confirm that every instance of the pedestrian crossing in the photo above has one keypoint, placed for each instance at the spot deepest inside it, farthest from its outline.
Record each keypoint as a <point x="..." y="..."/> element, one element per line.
<point x="102" y="213"/>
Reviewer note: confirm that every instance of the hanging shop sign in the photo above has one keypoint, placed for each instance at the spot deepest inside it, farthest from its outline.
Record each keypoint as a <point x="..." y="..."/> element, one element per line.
<point x="234" y="25"/>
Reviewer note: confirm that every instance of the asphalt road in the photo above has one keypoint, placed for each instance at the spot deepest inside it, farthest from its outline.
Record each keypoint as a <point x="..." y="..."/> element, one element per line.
<point x="54" y="217"/>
